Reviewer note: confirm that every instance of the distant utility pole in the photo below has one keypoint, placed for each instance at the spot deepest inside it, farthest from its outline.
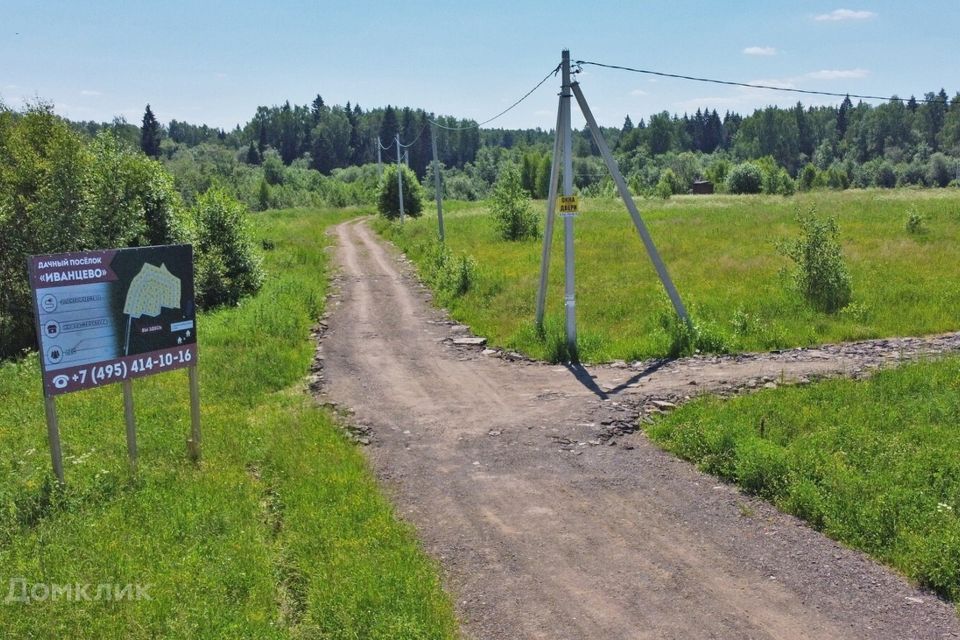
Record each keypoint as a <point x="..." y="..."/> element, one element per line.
<point x="379" y="161"/>
<point x="399" y="176"/>
<point x="436" y="180"/>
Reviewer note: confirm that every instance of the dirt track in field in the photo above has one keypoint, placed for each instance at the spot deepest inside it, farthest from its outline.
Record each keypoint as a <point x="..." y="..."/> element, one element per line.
<point x="550" y="522"/>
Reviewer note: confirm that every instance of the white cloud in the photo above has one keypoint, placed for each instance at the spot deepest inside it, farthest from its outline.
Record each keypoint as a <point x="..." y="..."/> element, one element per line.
<point x="780" y="83"/>
<point x="90" y="92"/>
<point x="639" y="92"/>
<point x="760" y="51"/>
<point x="838" y="74"/>
<point x="840" y="15"/>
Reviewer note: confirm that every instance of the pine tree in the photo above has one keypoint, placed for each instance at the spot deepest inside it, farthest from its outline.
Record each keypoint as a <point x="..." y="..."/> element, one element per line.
<point x="388" y="126"/>
<point x="253" y="156"/>
<point x="842" y="117"/>
<point x="316" y="108"/>
<point x="150" y="134"/>
<point x="627" y="125"/>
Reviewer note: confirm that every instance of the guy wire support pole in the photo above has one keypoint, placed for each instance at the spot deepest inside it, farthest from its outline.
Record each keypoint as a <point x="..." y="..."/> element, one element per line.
<point x="631" y="206"/>
<point x="436" y="180"/>
<point x="551" y="209"/>
<point x="569" y="295"/>
<point x="399" y="176"/>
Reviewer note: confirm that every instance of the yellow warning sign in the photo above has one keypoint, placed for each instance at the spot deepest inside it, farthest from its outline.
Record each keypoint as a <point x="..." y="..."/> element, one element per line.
<point x="568" y="205"/>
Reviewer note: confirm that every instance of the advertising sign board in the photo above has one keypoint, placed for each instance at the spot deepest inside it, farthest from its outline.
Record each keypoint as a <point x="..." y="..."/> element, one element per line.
<point x="109" y="316"/>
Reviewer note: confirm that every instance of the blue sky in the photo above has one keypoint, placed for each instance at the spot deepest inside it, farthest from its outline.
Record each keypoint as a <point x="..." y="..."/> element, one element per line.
<point x="214" y="62"/>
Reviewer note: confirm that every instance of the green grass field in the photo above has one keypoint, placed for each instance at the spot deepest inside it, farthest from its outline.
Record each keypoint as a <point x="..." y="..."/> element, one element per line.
<point x="721" y="252"/>
<point x="874" y="464"/>
<point x="280" y="531"/>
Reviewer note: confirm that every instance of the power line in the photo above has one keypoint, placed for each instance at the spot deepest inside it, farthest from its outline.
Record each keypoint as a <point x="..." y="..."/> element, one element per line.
<point x="553" y="72"/>
<point x="414" y="141"/>
<point x="747" y="84"/>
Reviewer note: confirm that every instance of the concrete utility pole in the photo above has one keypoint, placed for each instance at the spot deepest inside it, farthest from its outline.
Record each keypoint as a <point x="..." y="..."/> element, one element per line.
<point x="551" y="209"/>
<point x="399" y="176"/>
<point x="379" y="160"/>
<point x="562" y="153"/>
<point x="569" y="290"/>
<point x="436" y="180"/>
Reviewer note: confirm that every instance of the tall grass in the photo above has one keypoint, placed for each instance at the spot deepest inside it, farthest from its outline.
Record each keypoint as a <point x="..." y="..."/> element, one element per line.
<point x="721" y="252"/>
<point x="280" y="531"/>
<point x="874" y="464"/>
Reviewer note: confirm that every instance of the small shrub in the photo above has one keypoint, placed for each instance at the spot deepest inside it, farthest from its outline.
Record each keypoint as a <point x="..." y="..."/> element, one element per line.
<point x="510" y="206"/>
<point x="916" y="223"/>
<point x="263" y="195"/>
<point x="227" y="268"/>
<point x="808" y="177"/>
<point x="745" y="178"/>
<point x="663" y="189"/>
<point x="742" y="322"/>
<point x="820" y="272"/>
<point x="886" y="176"/>
<point x="452" y="276"/>
<point x="837" y="177"/>
<point x="693" y="337"/>
<point x="388" y="200"/>
<point x="273" y="169"/>
<point x="939" y="170"/>
<point x="856" y="311"/>
<point x="778" y="182"/>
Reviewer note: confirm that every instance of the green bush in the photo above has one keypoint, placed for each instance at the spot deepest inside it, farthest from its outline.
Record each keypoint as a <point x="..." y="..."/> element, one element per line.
<point x="837" y="177"/>
<point x="916" y="223"/>
<point x="745" y="178"/>
<point x="452" y="276"/>
<point x="939" y="170"/>
<point x="693" y="337"/>
<point x="778" y="182"/>
<point x="886" y="176"/>
<point x="514" y="218"/>
<point x="820" y="272"/>
<point x="227" y="268"/>
<point x="669" y="184"/>
<point x="388" y="200"/>
<point x="61" y="192"/>
<point x="808" y="177"/>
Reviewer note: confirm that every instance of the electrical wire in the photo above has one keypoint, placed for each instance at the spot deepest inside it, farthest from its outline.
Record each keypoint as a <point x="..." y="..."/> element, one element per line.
<point x="746" y="84"/>
<point x="553" y="72"/>
<point x="414" y="141"/>
<point x="384" y="148"/>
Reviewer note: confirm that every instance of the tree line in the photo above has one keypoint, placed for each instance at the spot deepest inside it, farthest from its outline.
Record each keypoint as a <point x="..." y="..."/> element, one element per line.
<point x="293" y="155"/>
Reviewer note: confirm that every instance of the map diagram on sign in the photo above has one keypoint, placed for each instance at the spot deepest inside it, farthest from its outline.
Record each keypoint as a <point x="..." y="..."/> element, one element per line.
<point x="150" y="290"/>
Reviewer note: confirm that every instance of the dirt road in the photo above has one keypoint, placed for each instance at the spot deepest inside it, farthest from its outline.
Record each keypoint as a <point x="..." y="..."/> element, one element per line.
<point x="550" y="523"/>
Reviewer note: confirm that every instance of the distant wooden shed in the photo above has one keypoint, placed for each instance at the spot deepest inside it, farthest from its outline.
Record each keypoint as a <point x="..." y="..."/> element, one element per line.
<point x="702" y="187"/>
